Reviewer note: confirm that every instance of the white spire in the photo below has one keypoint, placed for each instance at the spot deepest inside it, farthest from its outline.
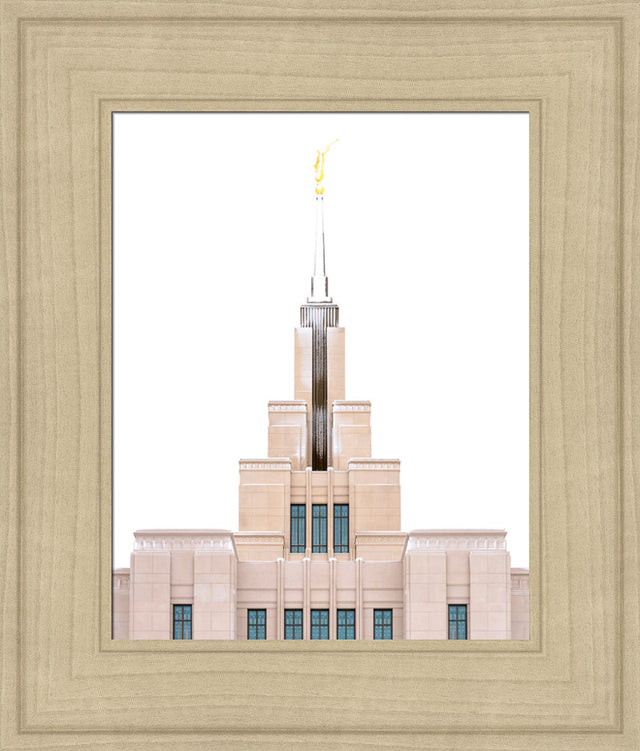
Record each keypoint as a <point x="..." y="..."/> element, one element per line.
<point x="319" y="281"/>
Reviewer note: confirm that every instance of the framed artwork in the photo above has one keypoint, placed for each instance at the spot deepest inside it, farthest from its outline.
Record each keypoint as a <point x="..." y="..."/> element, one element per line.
<point x="423" y="231"/>
<point x="66" y="68"/>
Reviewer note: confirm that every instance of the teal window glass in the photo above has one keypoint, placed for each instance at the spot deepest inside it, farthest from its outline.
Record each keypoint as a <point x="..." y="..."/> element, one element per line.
<point x="457" y="621"/>
<point x="346" y="624"/>
<point x="383" y="624"/>
<point x="320" y="624"/>
<point x="182" y="621"/>
<point x="319" y="528"/>
<point x="341" y="528"/>
<point x="293" y="624"/>
<point x="257" y="624"/>
<point x="298" y="529"/>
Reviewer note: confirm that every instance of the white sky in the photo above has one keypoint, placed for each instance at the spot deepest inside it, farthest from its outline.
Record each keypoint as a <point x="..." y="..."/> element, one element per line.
<point x="427" y="232"/>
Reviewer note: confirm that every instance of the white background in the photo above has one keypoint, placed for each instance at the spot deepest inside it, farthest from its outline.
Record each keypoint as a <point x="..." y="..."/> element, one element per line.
<point x="426" y="221"/>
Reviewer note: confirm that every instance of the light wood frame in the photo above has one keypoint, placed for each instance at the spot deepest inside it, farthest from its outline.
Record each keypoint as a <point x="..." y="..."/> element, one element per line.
<point x="66" y="65"/>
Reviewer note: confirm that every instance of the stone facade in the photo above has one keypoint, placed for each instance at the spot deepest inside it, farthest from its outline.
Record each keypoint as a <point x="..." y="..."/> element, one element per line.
<point x="318" y="552"/>
<point x="416" y="575"/>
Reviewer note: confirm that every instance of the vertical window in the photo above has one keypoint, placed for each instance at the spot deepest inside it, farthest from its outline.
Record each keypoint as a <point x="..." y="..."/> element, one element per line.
<point x="320" y="623"/>
<point x="293" y="624"/>
<point x="341" y="528"/>
<point x="182" y="621"/>
<point x="298" y="530"/>
<point x="257" y="624"/>
<point x="457" y="621"/>
<point x="319" y="528"/>
<point x="383" y="624"/>
<point x="346" y="624"/>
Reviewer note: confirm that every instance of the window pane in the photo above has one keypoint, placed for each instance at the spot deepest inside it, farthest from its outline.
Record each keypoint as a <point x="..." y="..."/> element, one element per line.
<point x="319" y="624"/>
<point x="293" y="624"/>
<point x="256" y="623"/>
<point x="298" y="533"/>
<point x="346" y="624"/>
<point x="341" y="528"/>
<point x="182" y="621"/>
<point x="457" y="621"/>
<point x="319" y="528"/>
<point x="383" y="623"/>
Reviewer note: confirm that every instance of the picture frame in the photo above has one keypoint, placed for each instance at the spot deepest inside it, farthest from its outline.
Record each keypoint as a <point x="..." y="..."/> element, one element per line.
<point x="65" y="68"/>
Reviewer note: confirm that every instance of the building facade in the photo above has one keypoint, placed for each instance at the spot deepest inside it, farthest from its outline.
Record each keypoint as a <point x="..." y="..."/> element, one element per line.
<point x="319" y="553"/>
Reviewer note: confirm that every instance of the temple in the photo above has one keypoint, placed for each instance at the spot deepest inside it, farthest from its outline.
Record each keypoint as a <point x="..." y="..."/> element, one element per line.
<point x="319" y="553"/>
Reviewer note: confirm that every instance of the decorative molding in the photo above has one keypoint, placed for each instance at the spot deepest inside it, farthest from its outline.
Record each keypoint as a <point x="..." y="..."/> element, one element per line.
<point x="278" y="464"/>
<point x="344" y="406"/>
<point x="467" y="540"/>
<point x="258" y="538"/>
<point x="520" y="582"/>
<point x="291" y="406"/>
<point x="364" y="463"/>
<point x="185" y="540"/>
<point x="121" y="580"/>
<point x="380" y="538"/>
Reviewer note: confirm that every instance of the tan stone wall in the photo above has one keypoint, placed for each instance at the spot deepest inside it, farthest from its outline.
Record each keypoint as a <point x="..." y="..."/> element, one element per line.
<point x="330" y="584"/>
<point x="382" y="587"/>
<point x="257" y="588"/>
<point x="351" y="433"/>
<point x="150" y="614"/>
<point x="264" y="496"/>
<point x="380" y="546"/>
<point x="288" y="432"/>
<point x="425" y="584"/>
<point x="214" y="595"/>
<point x="490" y="595"/>
<point x="259" y="546"/>
<point x="190" y="567"/>
<point x="374" y="494"/>
<point x="473" y="570"/>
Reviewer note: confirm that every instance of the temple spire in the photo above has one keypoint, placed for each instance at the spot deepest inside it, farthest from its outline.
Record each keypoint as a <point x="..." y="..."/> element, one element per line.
<point x="319" y="281"/>
<point x="319" y="314"/>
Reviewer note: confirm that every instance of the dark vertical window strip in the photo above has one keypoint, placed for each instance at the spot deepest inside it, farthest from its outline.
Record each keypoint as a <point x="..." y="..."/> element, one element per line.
<point x="341" y="528"/>
<point x="298" y="528"/>
<point x="293" y="624"/>
<point x="256" y="623"/>
<point x="182" y="621"/>
<point x="319" y="624"/>
<point x="346" y="621"/>
<point x="457" y="621"/>
<point x="319" y="528"/>
<point x="383" y="623"/>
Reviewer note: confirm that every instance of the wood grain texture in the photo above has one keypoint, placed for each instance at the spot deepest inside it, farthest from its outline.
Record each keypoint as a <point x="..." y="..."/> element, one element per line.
<point x="65" y="67"/>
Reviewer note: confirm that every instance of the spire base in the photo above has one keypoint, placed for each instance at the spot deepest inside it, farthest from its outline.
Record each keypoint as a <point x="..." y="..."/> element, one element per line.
<point x="319" y="290"/>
